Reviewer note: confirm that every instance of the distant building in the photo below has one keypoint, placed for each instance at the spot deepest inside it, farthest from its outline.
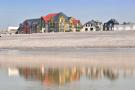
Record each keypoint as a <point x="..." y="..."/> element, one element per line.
<point x="30" y="26"/>
<point x="92" y="26"/>
<point x="109" y="26"/>
<point x="125" y="26"/>
<point x="59" y="22"/>
<point x="12" y="30"/>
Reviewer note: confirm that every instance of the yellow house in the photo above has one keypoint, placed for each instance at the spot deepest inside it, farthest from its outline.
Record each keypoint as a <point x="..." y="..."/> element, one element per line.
<point x="59" y="22"/>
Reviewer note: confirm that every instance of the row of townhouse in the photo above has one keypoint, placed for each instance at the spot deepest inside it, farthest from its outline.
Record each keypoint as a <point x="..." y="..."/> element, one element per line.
<point x="59" y="22"/>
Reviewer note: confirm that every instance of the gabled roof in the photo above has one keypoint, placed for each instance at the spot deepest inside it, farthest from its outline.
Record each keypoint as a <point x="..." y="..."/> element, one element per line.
<point x="56" y="18"/>
<point x="32" y="21"/>
<point x="113" y="21"/>
<point x="93" y="22"/>
<point x="75" y="21"/>
<point x="49" y="17"/>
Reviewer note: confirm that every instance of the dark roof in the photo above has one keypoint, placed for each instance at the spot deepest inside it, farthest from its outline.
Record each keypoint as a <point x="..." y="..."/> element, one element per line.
<point x="33" y="21"/>
<point x="69" y="18"/>
<point x="56" y="18"/>
<point x="113" y="21"/>
<point x="93" y="22"/>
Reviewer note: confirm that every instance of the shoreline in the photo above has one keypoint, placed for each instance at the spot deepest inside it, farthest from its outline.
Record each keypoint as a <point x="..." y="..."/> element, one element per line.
<point x="89" y="48"/>
<point x="110" y="39"/>
<point x="56" y="61"/>
<point x="69" y="57"/>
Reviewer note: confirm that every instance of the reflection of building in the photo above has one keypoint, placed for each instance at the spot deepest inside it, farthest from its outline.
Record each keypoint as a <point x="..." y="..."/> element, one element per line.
<point x="56" y="76"/>
<point x="95" y="73"/>
<point x="60" y="77"/>
<point x="51" y="76"/>
<point x="92" y="26"/>
<point x="31" y="73"/>
<point x="13" y="72"/>
<point x="111" y="74"/>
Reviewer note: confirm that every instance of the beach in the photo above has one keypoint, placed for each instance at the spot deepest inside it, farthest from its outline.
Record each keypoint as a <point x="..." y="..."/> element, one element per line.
<point x="110" y="39"/>
<point x="71" y="57"/>
<point x="65" y="49"/>
<point x="68" y="60"/>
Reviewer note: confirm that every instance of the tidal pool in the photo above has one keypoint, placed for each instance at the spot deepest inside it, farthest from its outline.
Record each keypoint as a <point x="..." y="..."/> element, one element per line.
<point x="67" y="69"/>
<point x="67" y="78"/>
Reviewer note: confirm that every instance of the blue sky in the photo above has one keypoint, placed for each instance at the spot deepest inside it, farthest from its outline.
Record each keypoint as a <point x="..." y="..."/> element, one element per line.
<point x="13" y="12"/>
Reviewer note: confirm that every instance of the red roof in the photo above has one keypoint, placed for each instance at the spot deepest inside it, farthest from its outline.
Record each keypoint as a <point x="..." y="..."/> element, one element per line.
<point x="75" y="21"/>
<point x="48" y="17"/>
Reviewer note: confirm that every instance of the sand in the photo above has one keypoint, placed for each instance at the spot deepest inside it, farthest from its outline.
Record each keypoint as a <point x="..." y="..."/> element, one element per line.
<point x="65" y="49"/>
<point x="83" y="39"/>
<point x="58" y="57"/>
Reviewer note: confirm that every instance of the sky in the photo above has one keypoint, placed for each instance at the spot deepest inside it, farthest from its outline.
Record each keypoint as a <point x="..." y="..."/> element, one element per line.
<point x="14" y="12"/>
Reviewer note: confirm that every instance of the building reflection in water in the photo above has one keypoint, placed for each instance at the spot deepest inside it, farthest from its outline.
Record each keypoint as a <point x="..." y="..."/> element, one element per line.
<point x="51" y="75"/>
<point x="61" y="76"/>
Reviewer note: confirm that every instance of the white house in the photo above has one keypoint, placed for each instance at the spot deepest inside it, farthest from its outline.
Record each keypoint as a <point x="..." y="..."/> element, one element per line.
<point x="121" y="27"/>
<point x="12" y="30"/>
<point x="92" y="26"/>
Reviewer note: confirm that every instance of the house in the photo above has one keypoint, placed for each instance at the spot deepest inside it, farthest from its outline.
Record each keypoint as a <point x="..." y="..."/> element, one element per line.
<point x="59" y="22"/>
<point x="55" y="22"/>
<point x="124" y="26"/>
<point x="30" y="26"/>
<point x="12" y="30"/>
<point x="109" y="26"/>
<point x="92" y="26"/>
<point x="75" y="25"/>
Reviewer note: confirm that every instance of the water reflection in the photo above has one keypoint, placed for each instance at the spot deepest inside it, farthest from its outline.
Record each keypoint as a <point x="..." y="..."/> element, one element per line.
<point x="51" y="76"/>
<point x="61" y="76"/>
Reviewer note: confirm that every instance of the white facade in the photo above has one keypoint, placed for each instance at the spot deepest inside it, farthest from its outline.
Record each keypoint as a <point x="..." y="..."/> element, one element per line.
<point x="12" y="30"/>
<point x="124" y="27"/>
<point x="92" y="26"/>
<point x="88" y="28"/>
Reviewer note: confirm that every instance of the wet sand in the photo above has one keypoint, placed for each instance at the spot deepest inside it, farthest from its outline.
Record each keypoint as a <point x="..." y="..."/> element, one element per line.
<point x="61" y="49"/>
<point x="56" y="57"/>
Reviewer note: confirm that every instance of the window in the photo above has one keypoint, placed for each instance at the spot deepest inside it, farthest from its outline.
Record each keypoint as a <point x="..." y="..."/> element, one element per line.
<point x="86" y="29"/>
<point x="91" y="25"/>
<point x="91" y="29"/>
<point x="67" y="27"/>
